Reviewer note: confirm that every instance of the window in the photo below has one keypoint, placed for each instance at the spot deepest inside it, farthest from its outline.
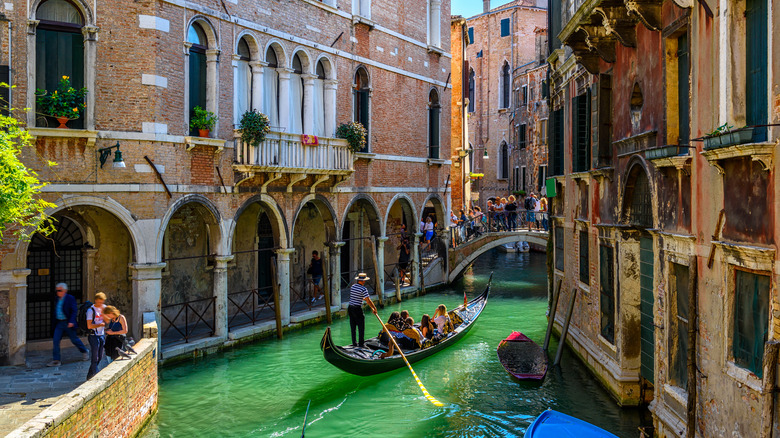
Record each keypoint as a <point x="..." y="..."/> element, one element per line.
<point x="434" y="109"/>
<point x="683" y="88"/>
<point x="361" y="8"/>
<point x="581" y="133"/>
<point x="197" y="72"/>
<point x="556" y="140"/>
<point x="505" y="86"/>
<point x="59" y="51"/>
<point x="679" y="313"/>
<point x="558" y="237"/>
<point x="434" y="23"/>
<point x="479" y="54"/>
<point x="522" y="140"/>
<point x="545" y="90"/>
<point x="271" y="87"/>
<point x="525" y="95"/>
<point x="504" y="27"/>
<point x="243" y="78"/>
<point x="296" y="96"/>
<point x="756" y="54"/>
<point x="607" y="293"/>
<point x="318" y="101"/>
<point x="503" y="165"/>
<point x="542" y="177"/>
<point x="516" y="178"/>
<point x="751" y="320"/>
<point x="603" y="132"/>
<point x="522" y="179"/>
<point x="543" y="132"/>
<point x="471" y="36"/>
<point x="361" y="102"/>
<point x="472" y="88"/>
<point x="584" y="258"/>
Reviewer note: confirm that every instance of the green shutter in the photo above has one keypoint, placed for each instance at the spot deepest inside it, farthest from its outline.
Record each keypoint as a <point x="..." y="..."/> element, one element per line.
<point x="604" y="144"/>
<point x="59" y="54"/>
<point x="584" y="258"/>
<point x="751" y="320"/>
<point x="550" y="187"/>
<point x="433" y="131"/>
<point x="505" y="27"/>
<point x="471" y="35"/>
<point x="647" y="327"/>
<point x="581" y="132"/>
<point x="756" y="54"/>
<point x="683" y="88"/>
<point x="678" y="345"/>
<point x="197" y="81"/>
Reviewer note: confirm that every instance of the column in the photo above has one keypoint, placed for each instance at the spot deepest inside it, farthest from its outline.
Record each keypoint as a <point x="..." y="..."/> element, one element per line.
<point x="330" y="107"/>
<point x="15" y="282"/>
<point x="186" y="89"/>
<point x="236" y="115"/>
<point x="32" y="26"/>
<point x="308" y="103"/>
<point x="335" y="277"/>
<point x="90" y="56"/>
<point x="283" y="277"/>
<point x="221" y="293"/>
<point x="88" y="258"/>
<point x="435" y="20"/>
<point x="416" y="258"/>
<point x="284" y="97"/>
<point x="380" y="260"/>
<point x="257" y="84"/>
<point x="146" y="281"/>
<point x="212" y="79"/>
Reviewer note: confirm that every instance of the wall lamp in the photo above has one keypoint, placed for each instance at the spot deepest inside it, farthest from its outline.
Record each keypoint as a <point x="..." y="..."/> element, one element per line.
<point x="485" y="155"/>
<point x="118" y="162"/>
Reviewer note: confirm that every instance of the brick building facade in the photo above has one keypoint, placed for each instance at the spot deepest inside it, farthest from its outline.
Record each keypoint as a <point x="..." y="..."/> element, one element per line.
<point x="528" y="159"/>
<point x="196" y="225"/>
<point x="503" y="40"/>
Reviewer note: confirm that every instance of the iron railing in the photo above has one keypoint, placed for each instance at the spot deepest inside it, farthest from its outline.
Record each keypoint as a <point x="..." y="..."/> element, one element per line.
<point x="248" y="307"/>
<point x="190" y="320"/>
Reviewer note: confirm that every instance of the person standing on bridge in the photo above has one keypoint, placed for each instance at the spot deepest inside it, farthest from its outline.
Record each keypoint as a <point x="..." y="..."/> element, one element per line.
<point x="357" y="294"/>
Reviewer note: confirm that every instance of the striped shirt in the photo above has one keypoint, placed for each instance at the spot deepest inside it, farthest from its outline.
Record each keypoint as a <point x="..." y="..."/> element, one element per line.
<point x="356" y="294"/>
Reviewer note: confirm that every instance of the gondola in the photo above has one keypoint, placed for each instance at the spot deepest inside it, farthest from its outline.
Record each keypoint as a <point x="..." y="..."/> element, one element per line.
<point x="522" y="358"/>
<point x="553" y="424"/>
<point x="364" y="361"/>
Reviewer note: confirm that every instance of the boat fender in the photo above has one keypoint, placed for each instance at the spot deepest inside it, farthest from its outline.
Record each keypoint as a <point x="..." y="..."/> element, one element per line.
<point x="377" y="353"/>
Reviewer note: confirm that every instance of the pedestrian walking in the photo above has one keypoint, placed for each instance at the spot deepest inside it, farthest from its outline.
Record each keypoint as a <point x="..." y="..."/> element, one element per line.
<point x="545" y="214"/>
<point x="65" y="312"/>
<point x="511" y="211"/>
<point x="537" y="211"/>
<point x="403" y="259"/>
<point x="529" y="204"/>
<point x="97" y="334"/>
<point x="357" y="321"/>
<point x="315" y="270"/>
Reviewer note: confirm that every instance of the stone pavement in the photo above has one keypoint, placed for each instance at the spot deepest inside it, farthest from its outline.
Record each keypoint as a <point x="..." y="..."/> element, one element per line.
<point x="27" y="390"/>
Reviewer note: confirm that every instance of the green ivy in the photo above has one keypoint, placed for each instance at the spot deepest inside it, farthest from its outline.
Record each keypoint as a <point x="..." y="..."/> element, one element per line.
<point x="254" y="127"/>
<point x="355" y="134"/>
<point x="65" y="101"/>
<point x="202" y="119"/>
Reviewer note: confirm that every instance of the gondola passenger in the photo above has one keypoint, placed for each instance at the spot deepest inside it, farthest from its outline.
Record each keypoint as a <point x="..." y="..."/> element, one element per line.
<point x="426" y="327"/>
<point x="442" y="320"/>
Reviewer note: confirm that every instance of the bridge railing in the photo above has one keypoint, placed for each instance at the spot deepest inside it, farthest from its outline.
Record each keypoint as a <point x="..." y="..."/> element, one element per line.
<point x="497" y="222"/>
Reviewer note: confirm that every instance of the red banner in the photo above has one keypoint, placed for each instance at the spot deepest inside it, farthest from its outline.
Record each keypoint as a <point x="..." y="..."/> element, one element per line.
<point x="310" y="140"/>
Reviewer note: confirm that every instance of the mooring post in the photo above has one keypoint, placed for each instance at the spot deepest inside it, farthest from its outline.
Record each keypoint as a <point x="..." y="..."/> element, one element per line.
<point x="553" y="310"/>
<point x="277" y="310"/>
<point x="378" y="287"/>
<point x="398" y="281"/>
<point x="565" y="330"/>
<point x="326" y="285"/>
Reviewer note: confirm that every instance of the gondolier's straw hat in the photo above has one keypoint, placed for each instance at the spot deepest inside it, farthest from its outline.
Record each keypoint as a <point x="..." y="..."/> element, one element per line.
<point x="362" y="277"/>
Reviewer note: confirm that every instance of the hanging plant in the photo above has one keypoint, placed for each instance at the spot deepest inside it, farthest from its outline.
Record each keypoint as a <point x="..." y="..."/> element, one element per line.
<point x="355" y="134"/>
<point x="254" y="126"/>
<point x="65" y="102"/>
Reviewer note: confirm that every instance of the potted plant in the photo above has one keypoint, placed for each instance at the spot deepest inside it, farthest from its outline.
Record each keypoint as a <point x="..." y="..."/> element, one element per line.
<point x="355" y="134"/>
<point x="725" y="135"/>
<point x="254" y="126"/>
<point x="65" y="103"/>
<point x="666" y="151"/>
<point x="203" y="121"/>
<point x="476" y="176"/>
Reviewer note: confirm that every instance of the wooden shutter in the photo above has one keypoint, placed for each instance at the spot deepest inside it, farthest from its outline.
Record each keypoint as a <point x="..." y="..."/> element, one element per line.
<point x="683" y="89"/>
<point x="751" y="320"/>
<point x="604" y="141"/>
<point x="584" y="258"/>
<point x="756" y="54"/>
<point x="581" y="132"/>
<point x="607" y="293"/>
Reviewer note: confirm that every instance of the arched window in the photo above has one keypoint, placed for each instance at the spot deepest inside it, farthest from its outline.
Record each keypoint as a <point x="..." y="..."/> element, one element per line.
<point x="59" y="50"/>
<point x="271" y="88"/>
<point x="505" y="86"/>
<point x="318" y="100"/>
<point x="197" y="68"/>
<point x="243" y="78"/>
<point x="361" y="102"/>
<point x="472" y="89"/>
<point x="503" y="158"/>
<point x="434" y="109"/>
<point x="296" y="96"/>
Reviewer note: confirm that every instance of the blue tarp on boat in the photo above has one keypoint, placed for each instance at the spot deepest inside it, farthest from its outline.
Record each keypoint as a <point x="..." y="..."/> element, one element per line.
<point x="553" y="424"/>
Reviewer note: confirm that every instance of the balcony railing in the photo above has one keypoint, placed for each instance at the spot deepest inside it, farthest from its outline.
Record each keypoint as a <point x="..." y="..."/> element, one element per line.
<point x="282" y="152"/>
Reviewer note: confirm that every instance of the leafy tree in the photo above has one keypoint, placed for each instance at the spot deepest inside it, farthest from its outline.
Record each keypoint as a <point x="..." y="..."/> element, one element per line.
<point x="22" y="212"/>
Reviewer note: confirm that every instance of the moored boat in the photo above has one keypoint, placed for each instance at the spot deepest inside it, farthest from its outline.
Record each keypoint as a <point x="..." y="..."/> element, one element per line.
<point x="553" y="424"/>
<point x="522" y="358"/>
<point x="365" y="361"/>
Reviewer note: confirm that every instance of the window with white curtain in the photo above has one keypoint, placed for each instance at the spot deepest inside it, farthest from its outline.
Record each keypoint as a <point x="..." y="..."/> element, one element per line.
<point x="319" y="102"/>
<point x="361" y="8"/>
<point x="271" y="88"/>
<point x="243" y="73"/>
<point x="296" y="97"/>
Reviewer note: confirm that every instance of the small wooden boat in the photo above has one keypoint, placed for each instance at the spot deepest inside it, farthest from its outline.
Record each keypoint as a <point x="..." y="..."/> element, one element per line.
<point x="522" y="358"/>
<point x="365" y="361"/>
<point x="553" y="424"/>
<point x="515" y="247"/>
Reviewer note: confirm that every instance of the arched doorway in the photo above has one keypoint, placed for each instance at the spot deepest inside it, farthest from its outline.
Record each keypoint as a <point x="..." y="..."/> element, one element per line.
<point x="400" y="225"/>
<point x="314" y="229"/>
<point x="361" y="227"/>
<point x="434" y="210"/>
<point x="259" y="232"/>
<point x="188" y="304"/>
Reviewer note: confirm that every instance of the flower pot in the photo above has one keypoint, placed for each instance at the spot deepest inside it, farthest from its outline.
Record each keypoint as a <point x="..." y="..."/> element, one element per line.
<point x="742" y="136"/>
<point x="63" y="122"/>
<point x="203" y="132"/>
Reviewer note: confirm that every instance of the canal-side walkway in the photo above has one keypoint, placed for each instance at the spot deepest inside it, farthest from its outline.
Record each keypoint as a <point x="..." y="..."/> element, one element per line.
<point x="25" y="391"/>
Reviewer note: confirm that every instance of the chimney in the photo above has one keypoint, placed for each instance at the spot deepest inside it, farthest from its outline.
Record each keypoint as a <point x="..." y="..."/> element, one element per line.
<point x="485" y="5"/>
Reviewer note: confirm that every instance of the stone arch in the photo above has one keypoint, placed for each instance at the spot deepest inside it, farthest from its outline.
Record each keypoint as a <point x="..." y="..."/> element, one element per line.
<point x="439" y="208"/>
<point x="208" y="29"/>
<point x="251" y="40"/>
<point x="215" y="236"/>
<point x="278" y="221"/>
<point x="637" y="200"/>
<point x="403" y="197"/>
<point x="328" y="65"/>
<point x="362" y="197"/>
<point x="81" y="5"/>
<point x="278" y="48"/>
<point x="324" y="206"/>
<point x="306" y="65"/>
<point x="361" y="69"/>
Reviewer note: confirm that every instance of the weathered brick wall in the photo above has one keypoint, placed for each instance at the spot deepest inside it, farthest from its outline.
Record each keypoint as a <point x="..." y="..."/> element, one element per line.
<point x="117" y="402"/>
<point x="533" y="115"/>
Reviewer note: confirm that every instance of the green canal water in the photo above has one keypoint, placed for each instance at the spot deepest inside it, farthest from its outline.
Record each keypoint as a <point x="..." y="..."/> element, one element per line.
<point x="262" y="390"/>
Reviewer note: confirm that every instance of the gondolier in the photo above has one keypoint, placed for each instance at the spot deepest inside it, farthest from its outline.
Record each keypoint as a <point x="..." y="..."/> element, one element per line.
<point x="357" y="294"/>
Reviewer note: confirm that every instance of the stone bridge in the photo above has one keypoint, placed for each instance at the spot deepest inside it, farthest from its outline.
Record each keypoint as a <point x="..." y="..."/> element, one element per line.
<point x="461" y="257"/>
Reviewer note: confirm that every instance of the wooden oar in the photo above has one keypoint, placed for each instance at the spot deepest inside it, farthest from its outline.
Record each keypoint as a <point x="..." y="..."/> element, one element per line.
<point x="305" y="416"/>
<point x="419" y="383"/>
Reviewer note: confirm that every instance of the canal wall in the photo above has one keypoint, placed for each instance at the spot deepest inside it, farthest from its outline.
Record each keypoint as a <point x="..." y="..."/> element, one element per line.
<point x="118" y="402"/>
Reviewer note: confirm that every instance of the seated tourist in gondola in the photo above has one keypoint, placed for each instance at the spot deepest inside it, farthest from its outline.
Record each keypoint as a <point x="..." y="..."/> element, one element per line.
<point x="404" y="315"/>
<point x="442" y="320"/>
<point x="426" y="327"/>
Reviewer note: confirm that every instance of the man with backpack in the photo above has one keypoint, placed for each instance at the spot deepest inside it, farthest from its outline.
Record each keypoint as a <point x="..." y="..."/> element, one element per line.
<point x="65" y="312"/>
<point x="529" y="204"/>
<point x="97" y="333"/>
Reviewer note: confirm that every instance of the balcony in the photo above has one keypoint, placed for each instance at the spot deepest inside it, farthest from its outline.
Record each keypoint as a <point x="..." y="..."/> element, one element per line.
<point x="283" y="153"/>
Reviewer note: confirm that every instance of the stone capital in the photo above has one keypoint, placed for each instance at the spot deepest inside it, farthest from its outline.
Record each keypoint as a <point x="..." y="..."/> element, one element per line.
<point x="284" y="73"/>
<point x="187" y="45"/>
<point x="284" y="254"/>
<point x="212" y="55"/>
<point x="331" y="84"/>
<point x="32" y="26"/>
<point x="90" y="33"/>
<point x="147" y="271"/>
<point x="221" y="261"/>
<point x="382" y="239"/>
<point x="257" y="65"/>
